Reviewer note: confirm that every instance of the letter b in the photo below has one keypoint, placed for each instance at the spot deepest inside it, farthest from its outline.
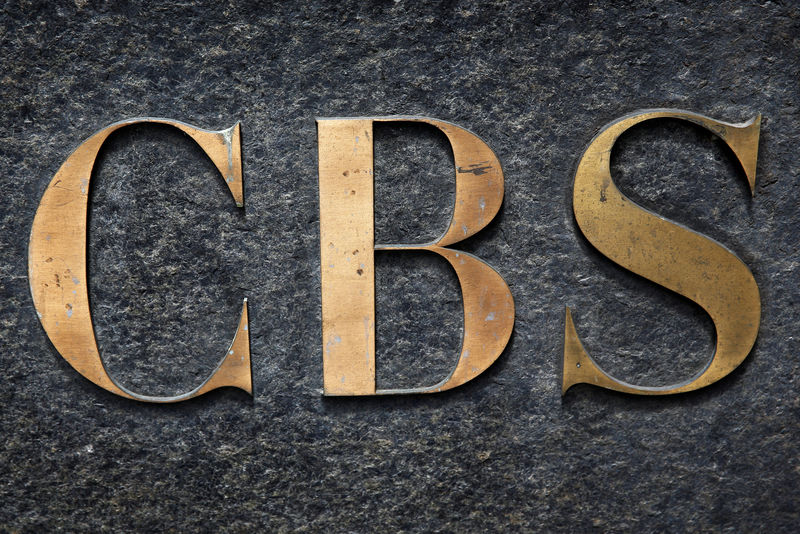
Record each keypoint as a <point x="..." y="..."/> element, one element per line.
<point x="347" y="250"/>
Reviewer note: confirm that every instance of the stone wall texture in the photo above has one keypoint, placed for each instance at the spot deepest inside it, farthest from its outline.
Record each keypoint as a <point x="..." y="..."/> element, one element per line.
<point x="170" y="259"/>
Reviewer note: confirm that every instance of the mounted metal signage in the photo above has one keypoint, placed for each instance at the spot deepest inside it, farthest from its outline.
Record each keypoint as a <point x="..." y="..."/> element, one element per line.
<point x="347" y="248"/>
<point x="57" y="262"/>
<point x="670" y="255"/>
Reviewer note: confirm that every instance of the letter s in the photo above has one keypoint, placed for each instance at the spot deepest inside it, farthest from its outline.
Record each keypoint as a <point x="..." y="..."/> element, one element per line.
<point x="670" y="255"/>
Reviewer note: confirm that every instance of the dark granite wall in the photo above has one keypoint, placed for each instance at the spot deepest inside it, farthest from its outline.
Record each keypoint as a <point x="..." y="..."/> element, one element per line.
<point x="171" y="258"/>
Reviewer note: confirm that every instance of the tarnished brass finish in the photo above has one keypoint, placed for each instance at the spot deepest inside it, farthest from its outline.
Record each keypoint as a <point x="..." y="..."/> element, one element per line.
<point x="670" y="255"/>
<point x="348" y="266"/>
<point x="347" y="256"/>
<point x="57" y="262"/>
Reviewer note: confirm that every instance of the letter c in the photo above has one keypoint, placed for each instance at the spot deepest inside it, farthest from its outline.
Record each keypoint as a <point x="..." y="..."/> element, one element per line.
<point x="57" y="262"/>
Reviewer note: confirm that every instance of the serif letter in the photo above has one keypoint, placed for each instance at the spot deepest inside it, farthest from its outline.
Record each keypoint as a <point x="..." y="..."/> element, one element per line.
<point x="670" y="255"/>
<point x="57" y="262"/>
<point x="347" y="251"/>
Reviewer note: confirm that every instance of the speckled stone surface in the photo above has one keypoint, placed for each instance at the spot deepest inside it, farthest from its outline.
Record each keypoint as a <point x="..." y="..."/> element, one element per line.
<point x="171" y="258"/>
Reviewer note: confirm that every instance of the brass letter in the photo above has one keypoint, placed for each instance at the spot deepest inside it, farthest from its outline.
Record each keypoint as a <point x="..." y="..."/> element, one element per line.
<point x="57" y="262"/>
<point x="347" y="256"/>
<point x="679" y="259"/>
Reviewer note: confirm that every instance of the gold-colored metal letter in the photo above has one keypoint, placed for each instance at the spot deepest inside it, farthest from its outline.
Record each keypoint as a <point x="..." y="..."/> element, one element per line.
<point x="670" y="255"/>
<point x="347" y="256"/>
<point x="57" y="262"/>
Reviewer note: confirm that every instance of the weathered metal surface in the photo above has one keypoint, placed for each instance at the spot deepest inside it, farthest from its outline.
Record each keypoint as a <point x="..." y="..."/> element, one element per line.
<point x="347" y="256"/>
<point x="502" y="453"/>
<point x="673" y="256"/>
<point x="57" y="262"/>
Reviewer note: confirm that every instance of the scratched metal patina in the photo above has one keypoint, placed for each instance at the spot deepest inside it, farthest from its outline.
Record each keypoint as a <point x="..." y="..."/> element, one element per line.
<point x="347" y="245"/>
<point x="57" y="262"/>
<point x="675" y="257"/>
<point x="170" y="258"/>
